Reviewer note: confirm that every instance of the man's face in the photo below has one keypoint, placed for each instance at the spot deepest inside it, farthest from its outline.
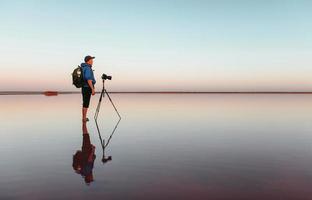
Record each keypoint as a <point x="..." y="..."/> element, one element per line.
<point x="90" y="62"/>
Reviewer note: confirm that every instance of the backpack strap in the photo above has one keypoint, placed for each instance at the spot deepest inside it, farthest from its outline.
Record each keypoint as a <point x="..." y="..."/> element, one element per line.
<point x="81" y="70"/>
<point x="84" y="81"/>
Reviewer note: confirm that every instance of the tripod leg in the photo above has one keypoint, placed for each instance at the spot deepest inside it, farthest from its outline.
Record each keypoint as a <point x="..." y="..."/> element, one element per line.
<point x="98" y="106"/>
<point x="112" y="103"/>
<point x="97" y="111"/>
<point x="100" y="137"/>
<point x="111" y="135"/>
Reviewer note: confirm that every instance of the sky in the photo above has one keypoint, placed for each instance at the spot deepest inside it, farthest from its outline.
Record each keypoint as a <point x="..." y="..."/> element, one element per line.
<point x="159" y="45"/>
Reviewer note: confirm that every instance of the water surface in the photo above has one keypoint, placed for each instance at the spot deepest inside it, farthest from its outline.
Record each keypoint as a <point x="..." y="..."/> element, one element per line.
<point x="172" y="146"/>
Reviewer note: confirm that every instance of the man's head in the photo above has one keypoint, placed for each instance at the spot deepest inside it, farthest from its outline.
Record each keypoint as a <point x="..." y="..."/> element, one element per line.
<point x="89" y="60"/>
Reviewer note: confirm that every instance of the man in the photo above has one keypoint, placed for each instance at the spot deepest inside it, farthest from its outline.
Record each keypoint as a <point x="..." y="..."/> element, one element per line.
<point x="88" y="86"/>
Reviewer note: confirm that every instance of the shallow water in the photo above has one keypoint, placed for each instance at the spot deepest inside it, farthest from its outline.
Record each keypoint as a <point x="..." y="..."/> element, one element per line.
<point x="167" y="146"/>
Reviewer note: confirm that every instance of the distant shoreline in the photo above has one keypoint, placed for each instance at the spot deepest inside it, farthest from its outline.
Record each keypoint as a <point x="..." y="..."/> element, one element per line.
<point x="151" y="92"/>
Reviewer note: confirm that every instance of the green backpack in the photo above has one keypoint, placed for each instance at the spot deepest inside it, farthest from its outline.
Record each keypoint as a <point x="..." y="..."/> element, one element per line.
<point x="78" y="77"/>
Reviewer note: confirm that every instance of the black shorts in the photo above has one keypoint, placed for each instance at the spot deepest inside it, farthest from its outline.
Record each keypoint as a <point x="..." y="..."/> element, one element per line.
<point x="86" y="95"/>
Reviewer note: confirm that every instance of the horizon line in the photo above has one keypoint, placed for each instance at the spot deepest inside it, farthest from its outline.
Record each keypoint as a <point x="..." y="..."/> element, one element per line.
<point x="52" y="93"/>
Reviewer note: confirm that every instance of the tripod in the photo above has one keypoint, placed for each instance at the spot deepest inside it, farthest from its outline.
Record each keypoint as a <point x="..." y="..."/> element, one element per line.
<point x="100" y="100"/>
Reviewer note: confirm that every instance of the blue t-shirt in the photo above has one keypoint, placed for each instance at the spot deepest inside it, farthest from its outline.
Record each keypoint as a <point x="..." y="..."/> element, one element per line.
<point x="87" y="74"/>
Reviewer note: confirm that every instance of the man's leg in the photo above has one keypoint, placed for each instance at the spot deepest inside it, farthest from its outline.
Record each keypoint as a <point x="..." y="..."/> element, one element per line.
<point x="84" y="127"/>
<point x="84" y="113"/>
<point x="86" y="95"/>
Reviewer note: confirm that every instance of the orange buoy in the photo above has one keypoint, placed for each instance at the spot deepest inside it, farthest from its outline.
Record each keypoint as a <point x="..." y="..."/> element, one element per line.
<point x="50" y="93"/>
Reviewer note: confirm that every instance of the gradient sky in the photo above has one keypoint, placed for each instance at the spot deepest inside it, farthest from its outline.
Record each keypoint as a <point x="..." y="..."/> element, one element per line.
<point x="193" y="45"/>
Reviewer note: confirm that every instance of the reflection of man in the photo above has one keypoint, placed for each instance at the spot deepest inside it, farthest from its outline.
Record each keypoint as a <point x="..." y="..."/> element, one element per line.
<point x="83" y="160"/>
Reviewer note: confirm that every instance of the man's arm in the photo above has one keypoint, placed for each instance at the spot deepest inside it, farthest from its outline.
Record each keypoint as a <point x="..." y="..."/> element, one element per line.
<point x="88" y="77"/>
<point x="91" y="86"/>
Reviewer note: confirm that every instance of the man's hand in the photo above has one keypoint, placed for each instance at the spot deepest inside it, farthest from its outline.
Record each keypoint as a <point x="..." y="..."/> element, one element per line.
<point x="93" y="92"/>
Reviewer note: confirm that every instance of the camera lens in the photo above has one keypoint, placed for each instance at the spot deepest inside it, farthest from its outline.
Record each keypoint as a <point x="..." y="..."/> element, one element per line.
<point x="105" y="77"/>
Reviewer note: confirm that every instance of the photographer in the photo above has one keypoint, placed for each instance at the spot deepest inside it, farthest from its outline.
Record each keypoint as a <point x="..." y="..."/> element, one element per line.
<point x="88" y="86"/>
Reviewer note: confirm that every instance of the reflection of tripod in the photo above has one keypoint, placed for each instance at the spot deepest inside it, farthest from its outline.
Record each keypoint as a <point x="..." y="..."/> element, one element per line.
<point x="100" y="100"/>
<point x="104" y="158"/>
<point x="103" y="144"/>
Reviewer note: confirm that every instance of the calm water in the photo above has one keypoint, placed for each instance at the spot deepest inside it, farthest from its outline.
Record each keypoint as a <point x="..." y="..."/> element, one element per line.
<point x="174" y="146"/>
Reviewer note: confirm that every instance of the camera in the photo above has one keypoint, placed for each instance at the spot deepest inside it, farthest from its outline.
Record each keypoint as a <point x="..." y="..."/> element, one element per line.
<point x="106" y="159"/>
<point x="105" y="77"/>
